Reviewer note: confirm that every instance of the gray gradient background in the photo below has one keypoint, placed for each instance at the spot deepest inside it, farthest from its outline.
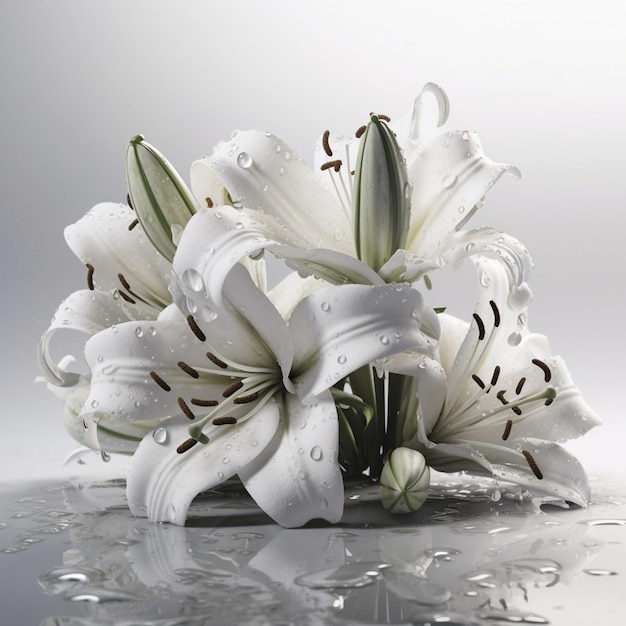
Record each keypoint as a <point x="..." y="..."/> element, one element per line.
<point x="543" y="84"/>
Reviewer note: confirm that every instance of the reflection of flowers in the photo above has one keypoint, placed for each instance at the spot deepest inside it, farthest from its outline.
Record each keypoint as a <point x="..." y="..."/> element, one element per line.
<point x="472" y="566"/>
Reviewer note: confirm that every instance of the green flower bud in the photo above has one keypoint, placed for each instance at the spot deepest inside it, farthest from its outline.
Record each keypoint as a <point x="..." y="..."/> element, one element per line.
<point x="404" y="481"/>
<point x="158" y="195"/>
<point x="381" y="197"/>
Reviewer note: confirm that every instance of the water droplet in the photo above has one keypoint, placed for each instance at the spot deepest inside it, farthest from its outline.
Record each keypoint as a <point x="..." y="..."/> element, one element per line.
<point x="448" y="181"/>
<point x="238" y="225"/>
<point x="339" y="234"/>
<point x="160" y="435"/>
<point x="384" y="340"/>
<point x="278" y="148"/>
<point x="484" y="279"/>
<point x="244" y="160"/>
<point x="225" y="460"/>
<point x="192" y="307"/>
<point x="325" y="306"/>
<point x="408" y="190"/>
<point x="346" y="576"/>
<point x="316" y="453"/>
<point x="539" y="566"/>
<point x="177" y="233"/>
<point x="208" y="314"/>
<point x="514" y="339"/>
<point x="94" y="404"/>
<point x="323" y="504"/>
<point x="193" y="280"/>
<point x="606" y="522"/>
<point x="100" y="358"/>
<point x="105" y="456"/>
<point x="139" y="331"/>
<point x="341" y="359"/>
<point x="600" y="572"/>
<point x="287" y="156"/>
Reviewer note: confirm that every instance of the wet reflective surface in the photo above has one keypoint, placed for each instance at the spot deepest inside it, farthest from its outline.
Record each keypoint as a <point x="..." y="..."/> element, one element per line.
<point x="475" y="554"/>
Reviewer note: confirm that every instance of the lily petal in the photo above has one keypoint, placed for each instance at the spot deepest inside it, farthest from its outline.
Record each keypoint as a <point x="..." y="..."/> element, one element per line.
<point x="86" y="312"/>
<point x="450" y="177"/>
<point x="297" y="477"/>
<point x="337" y="330"/>
<point x="102" y="239"/>
<point x="163" y="482"/>
<point x="261" y="171"/>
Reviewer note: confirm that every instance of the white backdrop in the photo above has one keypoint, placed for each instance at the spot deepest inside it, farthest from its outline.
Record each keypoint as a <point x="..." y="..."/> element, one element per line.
<point x="542" y="83"/>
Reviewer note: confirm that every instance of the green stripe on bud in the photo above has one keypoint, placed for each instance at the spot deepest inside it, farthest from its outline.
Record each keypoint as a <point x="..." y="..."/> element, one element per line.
<point x="404" y="481"/>
<point x="381" y="197"/>
<point x="158" y="195"/>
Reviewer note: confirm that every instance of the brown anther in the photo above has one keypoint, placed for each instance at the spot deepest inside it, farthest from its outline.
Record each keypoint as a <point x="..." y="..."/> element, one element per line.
<point x="549" y="401"/>
<point x="216" y="361"/>
<point x="325" y="143"/>
<point x="160" y="382"/>
<point x="124" y="282"/>
<point x="221" y="421"/>
<point x="128" y="202"/>
<point x="351" y="172"/>
<point x="209" y="202"/>
<point x="133" y="224"/>
<point x="481" y="327"/>
<point x="249" y="398"/>
<point x="516" y="410"/>
<point x="126" y="297"/>
<point x="382" y="116"/>
<point x="334" y="164"/>
<point x="197" y="331"/>
<point x="496" y="313"/>
<point x="500" y="396"/>
<point x="520" y="385"/>
<point x="186" y="445"/>
<point x="532" y="464"/>
<point x="188" y="369"/>
<point x="200" y="402"/>
<point x="495" y="375"/>
<point x="478" y="381"/>
<point x="507" y="430"/>
<point x="359" y="131"/>
<point x="547" y="374"/>
<point x="90" y="271"/>
<point x="231" y="389"/>
<point x="185" y="409"/>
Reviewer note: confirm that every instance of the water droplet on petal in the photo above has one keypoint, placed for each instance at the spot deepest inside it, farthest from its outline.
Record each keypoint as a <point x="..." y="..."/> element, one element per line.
<point x="193" y="280"/>
<point x="316" y="453"/>
<point x="208" y="314"/>
<point x="514" y="339"/>
<point x="448" y="181"/>
<point x="341" y="359"/>
<point x="325" y="306"/>
<point x="244" y="160"/>
<point x="139" y="331"/>
<point x="384" y="340"/>
<point x="160" y="435"/>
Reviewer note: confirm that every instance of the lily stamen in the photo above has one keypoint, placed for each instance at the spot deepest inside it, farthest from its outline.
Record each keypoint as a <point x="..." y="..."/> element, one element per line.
<point x="231" y="389"/>
<point x="188" y="369"/>
<point x="200" y="402"/>
<point x="481" y="326"/>
<point x="325" y="143"/>
<point x="507" y="430"/>
<point x="247" y="399"/>
<point x="126" y="297"/>
<point x="90" y="271"/>
<point x="336" y="165"/>
<point x="186" y="445"/>
<point x="133" y="224"/>
<point x="160" y="382"/>
<point x="520" y="385"/>
<point x="215" y="360"/>
<point x="532" y="464"/>
<point x="496" y="313"/>
<point x="197" y="331"/>
<point x="185" y="409"/>
<point x="547" y="374"/>
<point x="226" y="419"/>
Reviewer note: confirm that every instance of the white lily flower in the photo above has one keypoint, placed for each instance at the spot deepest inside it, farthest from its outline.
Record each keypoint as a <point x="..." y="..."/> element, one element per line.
<point x="308" y="217"/>
<point x="501" y="403"/>
<point x="241" y="392"/>
<point x="127" y="279"/>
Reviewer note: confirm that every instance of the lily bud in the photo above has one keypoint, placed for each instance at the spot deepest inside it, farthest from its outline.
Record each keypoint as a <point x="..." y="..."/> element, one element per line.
<point x="381" y="197"/>
<point x="158" y="195"/>
<point x="404" y="481"/>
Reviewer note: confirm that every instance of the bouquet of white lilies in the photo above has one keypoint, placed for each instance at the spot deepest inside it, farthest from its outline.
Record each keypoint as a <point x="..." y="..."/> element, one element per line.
<point x="341" y="370"/>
